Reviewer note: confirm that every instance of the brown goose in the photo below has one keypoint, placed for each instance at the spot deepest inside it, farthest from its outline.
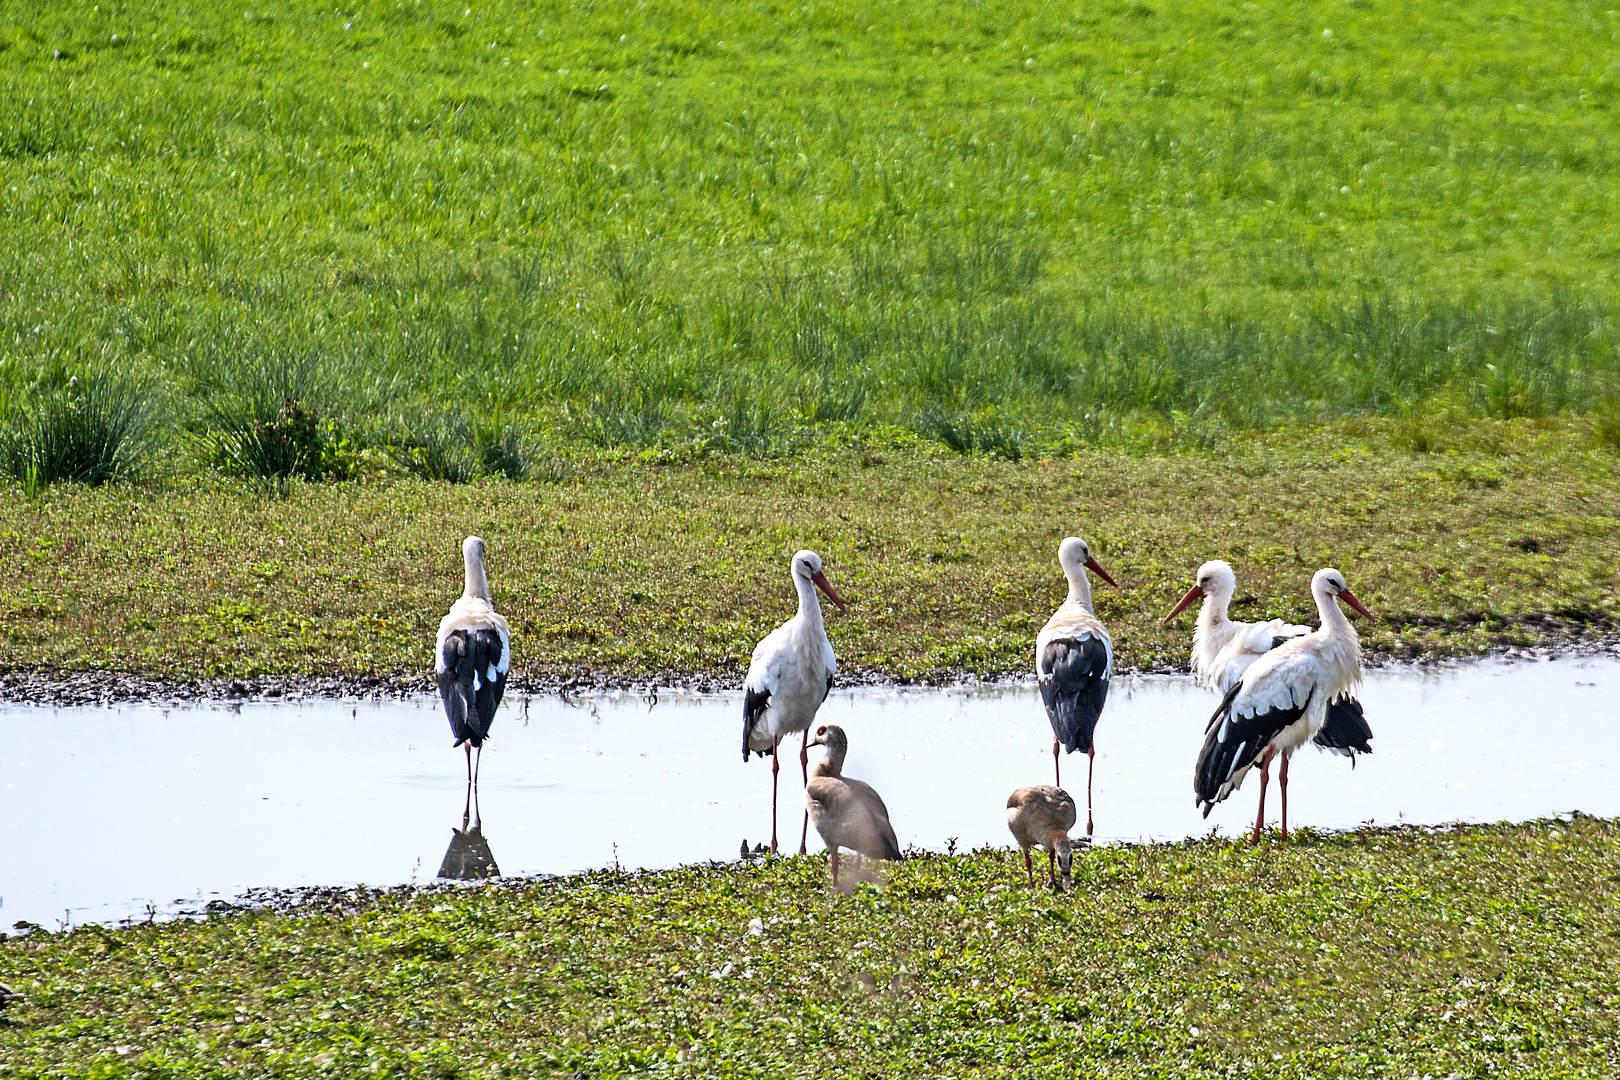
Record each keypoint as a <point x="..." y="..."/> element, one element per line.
<point x="847" y="813"/>
<point x="1042" y="815"/>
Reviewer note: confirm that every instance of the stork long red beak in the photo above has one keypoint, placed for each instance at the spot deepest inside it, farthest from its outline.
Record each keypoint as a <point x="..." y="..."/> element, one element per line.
<point x="1181" y="605"/>
<point x="1345" y="595"/>
<point x="1096" y="568"/>
<point x="832" y="594"/>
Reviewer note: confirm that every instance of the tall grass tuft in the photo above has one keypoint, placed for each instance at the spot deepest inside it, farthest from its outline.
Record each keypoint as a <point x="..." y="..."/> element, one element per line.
<point x="96" y="429"/>
<point x="1606" y="421"/>
<point x="447" y="447"/>
<point x="966" y="435"/>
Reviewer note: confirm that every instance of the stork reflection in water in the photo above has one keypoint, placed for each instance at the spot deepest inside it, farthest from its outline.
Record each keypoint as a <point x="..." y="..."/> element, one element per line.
<point x="468" y="857"/>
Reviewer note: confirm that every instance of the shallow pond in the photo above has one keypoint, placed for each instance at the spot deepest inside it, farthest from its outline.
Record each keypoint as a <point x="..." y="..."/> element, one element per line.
<point x="112" y="809"/>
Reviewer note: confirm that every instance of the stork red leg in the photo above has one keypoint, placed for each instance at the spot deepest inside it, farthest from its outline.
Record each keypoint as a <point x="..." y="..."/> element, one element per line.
<point x="1057" y="772"/>
<point x="776" y="767"/>
<point x="804" y="768"/>
<point x="1091" y="764"/>
<point x="1282" y="780"/>
<point x="1265" y="778"/>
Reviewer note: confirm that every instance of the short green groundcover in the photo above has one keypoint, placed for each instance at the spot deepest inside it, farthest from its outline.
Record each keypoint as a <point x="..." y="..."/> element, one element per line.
<point x="1478" y="951"/>
<point x="652" y="565"/>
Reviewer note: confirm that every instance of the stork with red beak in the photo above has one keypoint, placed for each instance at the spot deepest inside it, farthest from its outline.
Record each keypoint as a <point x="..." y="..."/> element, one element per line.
<point x="1301" y="691"/>
<point x="1222" y="648"/>
<point x="1074" y="657"/>
<point x="789" y="677"/>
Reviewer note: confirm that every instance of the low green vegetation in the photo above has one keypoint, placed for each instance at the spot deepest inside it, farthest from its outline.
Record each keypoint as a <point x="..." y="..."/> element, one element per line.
<point x="657" y="564"/>
<point x="1475" y="951"/>
<point x="452" y="234"/>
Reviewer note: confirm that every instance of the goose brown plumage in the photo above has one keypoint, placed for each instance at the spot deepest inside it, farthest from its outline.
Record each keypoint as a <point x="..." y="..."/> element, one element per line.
<point x="847" y="813"/>
<point x="1042" y="815"/>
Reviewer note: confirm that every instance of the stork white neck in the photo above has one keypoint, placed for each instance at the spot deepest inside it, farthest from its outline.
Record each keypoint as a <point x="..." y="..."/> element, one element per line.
<point x="476" y="582"/>
<point x="809" y="606"/>
<point x="1079" y="584"/>
<point x="1213" y="612"/>
<point x="1334" y="621"/>
<point x="1340" y="649"/>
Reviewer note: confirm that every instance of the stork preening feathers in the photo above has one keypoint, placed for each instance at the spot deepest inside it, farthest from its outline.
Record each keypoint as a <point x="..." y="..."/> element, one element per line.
<point x="789" y="677"/>
<point x="1301" y="691"/>
<point x="472" y="655"/>
<point x="1223" y="649"/>
<point x="1074" y="657"/>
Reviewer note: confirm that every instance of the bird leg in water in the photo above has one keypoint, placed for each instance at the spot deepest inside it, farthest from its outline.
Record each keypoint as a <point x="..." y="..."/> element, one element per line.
<point x="466" y="807"/>
<point x="1057" y="771"/>
<point x="1091" y="766"/>
<point x="776" y="767"/>
<point x="466" y="745"/>
<point x="1265" y="778"/>
<point x="804" y="768"/>
<point x="1029" y="868"/>
<point x="1282" y="780"/>
<point x="477" y="764"/>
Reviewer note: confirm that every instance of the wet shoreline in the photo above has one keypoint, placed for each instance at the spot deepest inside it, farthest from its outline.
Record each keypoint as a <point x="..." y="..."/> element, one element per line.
<point x="56" y="687"/>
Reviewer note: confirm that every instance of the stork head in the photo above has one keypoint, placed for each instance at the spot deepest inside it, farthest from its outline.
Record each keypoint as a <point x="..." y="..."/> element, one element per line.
<point x="1074" y="554"/>
<point x="1215" y="579"/>
<point x="1329" y="584"/>
<point x="472" y="549"/>
<point x="807" y="567"/>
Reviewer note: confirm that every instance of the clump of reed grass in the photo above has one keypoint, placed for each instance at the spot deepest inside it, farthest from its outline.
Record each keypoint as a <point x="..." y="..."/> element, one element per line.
<point x="987" y="434"/>
<point x="1606" y="421"/>
<point x="292" y="443"/>
<point x="448" y="447"/>
<point x="95" y="429"/>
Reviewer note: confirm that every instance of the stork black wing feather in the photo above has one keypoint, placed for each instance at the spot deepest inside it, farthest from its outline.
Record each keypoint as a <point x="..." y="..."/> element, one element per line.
<point x="1345" y="729"/>
<point x="754" y="705"/>
<point x="470" y="696"/>
<point x="1074" y="688"/>
<point x="1234" y="742"/>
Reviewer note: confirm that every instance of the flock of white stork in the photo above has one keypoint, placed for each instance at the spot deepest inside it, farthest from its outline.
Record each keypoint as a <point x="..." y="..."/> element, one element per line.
<point x="1281" y="687"/>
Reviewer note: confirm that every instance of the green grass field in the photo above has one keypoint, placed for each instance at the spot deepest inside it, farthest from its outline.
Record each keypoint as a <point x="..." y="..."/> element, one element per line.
<point x="654" y="566"/>
<point x="456" y="231"/>
<point x="1475" y="952"/>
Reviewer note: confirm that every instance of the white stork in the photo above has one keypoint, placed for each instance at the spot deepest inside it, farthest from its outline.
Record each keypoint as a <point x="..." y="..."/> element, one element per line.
<point x="1301" y="691"/>
<point x="1223" y="649"/>
<point x="789" y="677"/>
<point x="472" y="655"/>
<point x="1074" y="657"/>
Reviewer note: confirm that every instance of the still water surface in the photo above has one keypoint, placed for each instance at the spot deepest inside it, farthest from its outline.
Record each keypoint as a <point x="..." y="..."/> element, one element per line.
<point x="112" y="809"/>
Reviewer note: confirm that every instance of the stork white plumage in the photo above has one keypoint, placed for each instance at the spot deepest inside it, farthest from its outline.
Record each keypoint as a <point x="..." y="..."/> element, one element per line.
<point x="1074" y="658"/>
<point x="789" y="677"/>
<point x="471" y="657"/>
<point x="1301" y="691"/>
<point x="1223" y="648"/>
